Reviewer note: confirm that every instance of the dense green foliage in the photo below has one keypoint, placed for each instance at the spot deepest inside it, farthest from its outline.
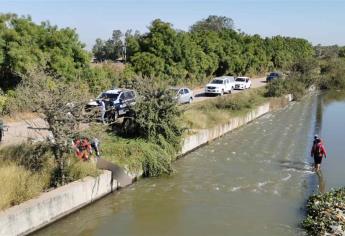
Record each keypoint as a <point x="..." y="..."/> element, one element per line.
<point x="135" y="154"/>
<point x="323" y="74"/>
<point x="325" y="213"/>
<point x="332" y="74"/>
<point x="156" y="116"/>
<point x="110" y="49"/>
<point x="26" y="46"/>
<point x="327" y="52"/>
<point x="212" y="47"/>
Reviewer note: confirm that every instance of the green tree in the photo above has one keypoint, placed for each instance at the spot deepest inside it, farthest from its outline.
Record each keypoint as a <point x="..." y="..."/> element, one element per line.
<point x="60" y="103"/>
<point x="110" y="49"/>
<point x="213" y="23"/>
<point x="26" y="46"/>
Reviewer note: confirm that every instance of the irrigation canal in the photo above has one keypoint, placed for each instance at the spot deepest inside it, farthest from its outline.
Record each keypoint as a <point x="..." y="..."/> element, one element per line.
<point x="253" y="181"/>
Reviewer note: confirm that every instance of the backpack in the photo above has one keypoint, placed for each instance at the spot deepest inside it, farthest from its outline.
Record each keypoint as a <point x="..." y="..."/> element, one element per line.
<point x="317" y="149"/>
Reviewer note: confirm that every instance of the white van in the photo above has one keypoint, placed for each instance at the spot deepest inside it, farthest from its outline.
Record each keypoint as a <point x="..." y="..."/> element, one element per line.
<point x="220" y="85"/>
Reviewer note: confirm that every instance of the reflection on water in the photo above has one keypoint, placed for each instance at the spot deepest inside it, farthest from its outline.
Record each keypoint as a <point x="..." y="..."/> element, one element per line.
<point x="253" y="181"/>
<point x="321" y="180"/>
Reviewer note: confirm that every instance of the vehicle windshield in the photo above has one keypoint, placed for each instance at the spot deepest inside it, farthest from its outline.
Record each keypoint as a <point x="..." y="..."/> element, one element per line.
<point x="240" y="79"/>
<point x="274" y="74"/>
<point x="217" y="81"/>
<point x="112" y="96"/>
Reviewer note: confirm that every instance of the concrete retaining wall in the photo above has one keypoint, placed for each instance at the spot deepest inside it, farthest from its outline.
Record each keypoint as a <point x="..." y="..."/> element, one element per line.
<point x="48" y="207"/>
<point x="205" y="135"/>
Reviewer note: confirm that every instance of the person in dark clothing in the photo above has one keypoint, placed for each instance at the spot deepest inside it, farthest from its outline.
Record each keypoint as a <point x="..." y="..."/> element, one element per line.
<point x="318" y="151"/>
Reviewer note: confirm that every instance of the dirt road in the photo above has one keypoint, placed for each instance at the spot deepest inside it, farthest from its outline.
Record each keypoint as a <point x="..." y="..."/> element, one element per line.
<point x="24" y="130"/>
<point x="200" y="96"/>
<point x="34" y="128"/>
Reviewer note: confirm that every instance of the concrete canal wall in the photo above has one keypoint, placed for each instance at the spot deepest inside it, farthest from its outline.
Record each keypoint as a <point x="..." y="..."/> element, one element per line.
<point x="51" y="206"/>
<point x="48" y="207"/>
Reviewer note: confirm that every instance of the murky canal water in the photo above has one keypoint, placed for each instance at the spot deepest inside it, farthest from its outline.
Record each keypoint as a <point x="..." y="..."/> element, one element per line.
<point x="253" y="181"/>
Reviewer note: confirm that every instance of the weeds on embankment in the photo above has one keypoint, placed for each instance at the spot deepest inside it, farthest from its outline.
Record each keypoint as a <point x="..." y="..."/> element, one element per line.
<point x="18" y="185"/>
<point x="26" y="170"/>
<point x="217" y="111"/>
<point x="326" y="213"/>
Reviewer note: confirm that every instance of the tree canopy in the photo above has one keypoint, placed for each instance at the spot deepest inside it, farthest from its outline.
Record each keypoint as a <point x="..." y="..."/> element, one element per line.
<point x="210" y="48"/>
<point x="26" y="46"/>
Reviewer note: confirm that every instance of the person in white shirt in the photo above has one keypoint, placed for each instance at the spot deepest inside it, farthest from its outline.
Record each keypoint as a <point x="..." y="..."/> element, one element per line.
<point x="102" y="109"/>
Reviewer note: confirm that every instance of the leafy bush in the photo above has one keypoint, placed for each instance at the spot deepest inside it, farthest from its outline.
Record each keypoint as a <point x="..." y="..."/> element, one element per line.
<point x="325" y="213"/>
<point x="135" y="154"/>
<point x="18" y="185"/>
<point x="280" y="87"/>
<point x="156" y="116"/>
<point x="276" y="88"/>
<point x="333" y="74"/>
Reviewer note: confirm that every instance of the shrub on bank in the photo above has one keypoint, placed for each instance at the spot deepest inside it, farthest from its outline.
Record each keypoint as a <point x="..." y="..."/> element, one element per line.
<point x="332" y="74"/>
<point x="280" y="87"/>
<point x="134" y="154"/>
<point x="326" y="213"/>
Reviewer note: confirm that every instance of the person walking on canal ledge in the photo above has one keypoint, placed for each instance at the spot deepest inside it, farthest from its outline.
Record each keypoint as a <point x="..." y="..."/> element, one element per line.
<point x="317" y="151"/>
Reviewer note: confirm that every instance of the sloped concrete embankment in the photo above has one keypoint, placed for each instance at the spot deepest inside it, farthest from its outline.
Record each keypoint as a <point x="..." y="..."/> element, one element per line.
<point x="51" y="206"/>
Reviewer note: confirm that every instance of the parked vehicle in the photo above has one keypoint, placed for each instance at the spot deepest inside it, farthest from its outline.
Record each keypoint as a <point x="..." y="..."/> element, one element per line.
<point x="273" y="76"/>
<point x="117" y="103"/>
<point x="182" y="95"/>
<point x="243" y="83"/>
<point x="220" y="85"/>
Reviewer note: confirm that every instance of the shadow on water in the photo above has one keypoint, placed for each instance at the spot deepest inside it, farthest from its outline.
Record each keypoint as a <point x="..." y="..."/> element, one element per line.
<point x="322" y="182"/>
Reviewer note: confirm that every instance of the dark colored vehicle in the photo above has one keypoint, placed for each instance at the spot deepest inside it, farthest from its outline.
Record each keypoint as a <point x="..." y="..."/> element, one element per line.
<point x="273" y="76"/>
<point x="117" y="103"/>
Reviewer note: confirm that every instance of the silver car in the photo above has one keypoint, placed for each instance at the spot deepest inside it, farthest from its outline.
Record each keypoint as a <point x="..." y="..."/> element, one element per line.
<point x="182" y="95"/>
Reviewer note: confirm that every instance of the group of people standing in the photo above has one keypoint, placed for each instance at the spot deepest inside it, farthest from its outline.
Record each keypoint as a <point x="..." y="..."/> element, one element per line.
<point x="84" y="149"/>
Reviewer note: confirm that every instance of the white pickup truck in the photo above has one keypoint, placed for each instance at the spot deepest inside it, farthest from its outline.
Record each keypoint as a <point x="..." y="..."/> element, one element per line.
<point x="243" y="83"/>
<point x="220" y="85"/>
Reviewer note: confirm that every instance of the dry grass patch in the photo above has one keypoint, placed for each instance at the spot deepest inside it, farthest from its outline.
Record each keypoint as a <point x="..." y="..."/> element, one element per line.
<point x="18" y="185"/>
<point x="217" y="111"/>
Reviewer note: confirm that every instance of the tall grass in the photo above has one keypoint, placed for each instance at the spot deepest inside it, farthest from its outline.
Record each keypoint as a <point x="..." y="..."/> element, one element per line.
<point x="18" y="185"/>
<point x="26" y="170"/>
<point x="219" y="110"/>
